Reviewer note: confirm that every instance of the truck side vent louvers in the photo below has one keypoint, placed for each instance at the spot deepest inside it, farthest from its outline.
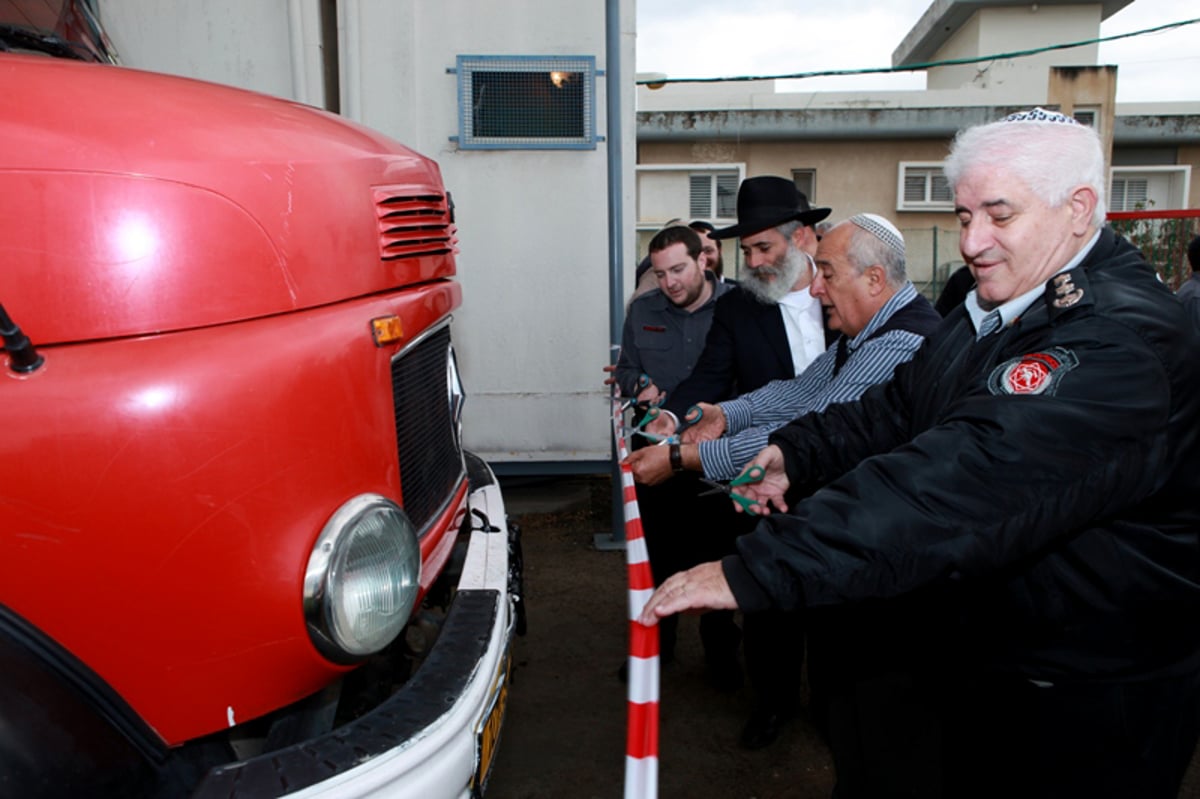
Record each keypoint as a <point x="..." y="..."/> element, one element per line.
<point x="431" y="462"/>
<point x="411" y="224"/>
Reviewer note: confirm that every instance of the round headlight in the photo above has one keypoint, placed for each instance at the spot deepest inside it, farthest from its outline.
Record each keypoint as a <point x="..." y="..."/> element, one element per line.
<point x="362" y="579"/>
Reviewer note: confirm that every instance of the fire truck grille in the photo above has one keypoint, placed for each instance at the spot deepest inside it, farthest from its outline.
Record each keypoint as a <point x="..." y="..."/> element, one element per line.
<point x="431" y="461"/>
<point x="411" y="223"/>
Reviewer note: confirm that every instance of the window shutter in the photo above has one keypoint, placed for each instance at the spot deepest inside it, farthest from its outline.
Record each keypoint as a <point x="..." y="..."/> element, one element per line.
<point x="1116" y="202"/>
<point x="1135" y="194"/>
<point x="914" y="186"/>
<point x="1129" y="194"/>
<point x="700" y="195"/>
<point x="939" y="189"/>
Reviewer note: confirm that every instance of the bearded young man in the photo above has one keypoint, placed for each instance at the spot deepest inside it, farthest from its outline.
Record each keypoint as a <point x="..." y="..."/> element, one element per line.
<point x="665" y="327"/>
<point x="664" y="333"/>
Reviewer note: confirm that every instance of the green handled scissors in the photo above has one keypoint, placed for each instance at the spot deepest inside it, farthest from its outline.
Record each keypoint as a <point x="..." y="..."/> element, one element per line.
<point x="754" y="474"/>
<point x="692" y="416"/>
<point x="650" y="415"/>
<point x="654" y="409"/>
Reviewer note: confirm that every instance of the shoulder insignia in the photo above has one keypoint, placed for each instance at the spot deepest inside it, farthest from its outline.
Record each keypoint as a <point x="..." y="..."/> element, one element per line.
<point x="1067" y="290"/>
<point x="1035" y="373"/>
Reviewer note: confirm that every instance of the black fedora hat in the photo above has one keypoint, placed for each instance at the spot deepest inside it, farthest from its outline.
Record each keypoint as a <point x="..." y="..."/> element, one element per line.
<point x="767" y="201"/>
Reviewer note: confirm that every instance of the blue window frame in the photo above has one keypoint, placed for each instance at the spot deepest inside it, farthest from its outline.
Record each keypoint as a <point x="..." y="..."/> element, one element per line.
<point x="526" y="102"/>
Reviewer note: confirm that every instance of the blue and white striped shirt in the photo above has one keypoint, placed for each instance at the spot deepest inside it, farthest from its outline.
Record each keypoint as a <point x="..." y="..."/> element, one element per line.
<point x="751" y="418"/>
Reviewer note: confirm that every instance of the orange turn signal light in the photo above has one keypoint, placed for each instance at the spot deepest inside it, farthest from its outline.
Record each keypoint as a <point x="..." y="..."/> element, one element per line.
<point x="387" y="330"/>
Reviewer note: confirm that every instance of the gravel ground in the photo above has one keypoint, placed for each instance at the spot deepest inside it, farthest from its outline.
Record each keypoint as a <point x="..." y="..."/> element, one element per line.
<point x="565" y="730"/>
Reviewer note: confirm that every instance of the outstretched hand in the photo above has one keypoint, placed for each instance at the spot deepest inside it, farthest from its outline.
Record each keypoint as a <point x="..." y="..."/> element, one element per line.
<point x="773" y="486"/>
<point x="701" y="588"/>
<point x="650" y="465"/>
<point x="709" y="427"/>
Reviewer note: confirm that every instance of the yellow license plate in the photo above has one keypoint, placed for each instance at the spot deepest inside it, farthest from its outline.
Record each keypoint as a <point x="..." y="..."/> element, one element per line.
<point x="487" y="736"/>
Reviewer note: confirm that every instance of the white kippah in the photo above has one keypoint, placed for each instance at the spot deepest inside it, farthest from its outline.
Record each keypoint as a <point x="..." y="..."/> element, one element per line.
<point x="1040" y="114"/>
<point x="881" y="229"/>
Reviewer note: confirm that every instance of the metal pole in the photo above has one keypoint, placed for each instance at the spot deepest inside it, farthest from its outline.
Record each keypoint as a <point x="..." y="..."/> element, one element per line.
<point x="616" y="291"/>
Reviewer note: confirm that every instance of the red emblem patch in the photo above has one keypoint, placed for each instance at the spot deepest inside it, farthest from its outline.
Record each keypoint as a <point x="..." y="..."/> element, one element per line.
<point x="1035" y="373"/>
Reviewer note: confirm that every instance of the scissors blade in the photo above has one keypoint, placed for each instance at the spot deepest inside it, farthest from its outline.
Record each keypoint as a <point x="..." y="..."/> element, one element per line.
<point x="745" y="503"/>
<point x="714" y="487"/>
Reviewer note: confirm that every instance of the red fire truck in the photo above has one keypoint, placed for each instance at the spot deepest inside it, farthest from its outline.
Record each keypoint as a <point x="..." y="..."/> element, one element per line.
<point x="244" y="551"/>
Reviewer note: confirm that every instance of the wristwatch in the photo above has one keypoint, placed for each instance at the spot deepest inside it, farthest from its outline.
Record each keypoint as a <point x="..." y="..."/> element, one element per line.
<point x="676" y="458"/>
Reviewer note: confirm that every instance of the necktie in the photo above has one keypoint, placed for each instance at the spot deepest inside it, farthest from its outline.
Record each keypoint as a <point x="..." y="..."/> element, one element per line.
<point x="989" y="325"/>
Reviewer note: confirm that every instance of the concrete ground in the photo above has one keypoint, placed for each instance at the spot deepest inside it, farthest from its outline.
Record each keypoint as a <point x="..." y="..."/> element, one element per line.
<point x="565" y="730"/>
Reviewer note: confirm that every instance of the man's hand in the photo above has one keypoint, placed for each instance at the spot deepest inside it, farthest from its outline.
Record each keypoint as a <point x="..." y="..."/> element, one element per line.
<point x="650" y="394"/>
<point x="651" y="465"/>
<point x="701" y="588"/>
<point x="612" y="378"/>
<point x="772" y="488"/>
<point x="710" y="427"/>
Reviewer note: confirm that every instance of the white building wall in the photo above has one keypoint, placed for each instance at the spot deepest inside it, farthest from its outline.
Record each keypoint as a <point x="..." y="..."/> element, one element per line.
<point x="239" y="43"/>
<point x="533" y="331"/>
<point x="1015" y="29"/>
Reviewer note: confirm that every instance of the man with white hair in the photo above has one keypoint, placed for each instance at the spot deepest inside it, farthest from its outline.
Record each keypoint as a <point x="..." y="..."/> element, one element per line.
<point x="1024" y="489"/>
<point x="881" y="320"/>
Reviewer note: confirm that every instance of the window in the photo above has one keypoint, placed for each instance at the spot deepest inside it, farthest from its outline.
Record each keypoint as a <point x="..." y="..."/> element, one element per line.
<point x="923" y="187"/>
<point x="806" y="182"/>
<point x="712" y="195"/>
<point x="1128" y="194"/>
<point x="1158" y="188"/>
<point x="1086" y="116"/>
<point x="697" y="190"/>
<point x="526" y="102"/>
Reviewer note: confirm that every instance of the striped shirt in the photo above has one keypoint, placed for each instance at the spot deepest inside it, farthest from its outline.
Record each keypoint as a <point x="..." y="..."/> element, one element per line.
<point x="751" y="418"/>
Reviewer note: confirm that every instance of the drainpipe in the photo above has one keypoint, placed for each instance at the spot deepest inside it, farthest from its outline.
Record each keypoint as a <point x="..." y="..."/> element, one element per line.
<point x="349" y="17"/>
<point x="616" y="291"/>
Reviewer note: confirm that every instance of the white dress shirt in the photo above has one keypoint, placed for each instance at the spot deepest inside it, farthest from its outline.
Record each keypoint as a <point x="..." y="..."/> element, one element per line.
<point x="802" y="318"/>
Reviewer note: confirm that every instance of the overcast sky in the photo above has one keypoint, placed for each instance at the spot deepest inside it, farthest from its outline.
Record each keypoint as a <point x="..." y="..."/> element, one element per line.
<point x="718" y="38"/>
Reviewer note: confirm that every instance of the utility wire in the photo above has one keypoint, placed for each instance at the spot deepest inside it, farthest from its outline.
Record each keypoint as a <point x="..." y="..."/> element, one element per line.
<point x="657" y="81"/>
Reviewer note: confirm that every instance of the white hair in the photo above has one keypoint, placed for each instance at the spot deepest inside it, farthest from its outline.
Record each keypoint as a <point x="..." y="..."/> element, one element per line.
<point x="1049" y="153"/>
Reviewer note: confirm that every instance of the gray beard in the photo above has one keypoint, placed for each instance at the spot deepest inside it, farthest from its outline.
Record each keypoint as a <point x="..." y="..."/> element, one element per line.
<point x="786" y="274"/>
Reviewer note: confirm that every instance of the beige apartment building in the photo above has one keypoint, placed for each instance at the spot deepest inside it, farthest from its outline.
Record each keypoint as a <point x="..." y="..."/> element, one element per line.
<point x="882" y="151"/>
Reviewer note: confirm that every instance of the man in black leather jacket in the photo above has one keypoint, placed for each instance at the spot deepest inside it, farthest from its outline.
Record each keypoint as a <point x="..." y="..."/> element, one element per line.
<point x="1029" y="492"/>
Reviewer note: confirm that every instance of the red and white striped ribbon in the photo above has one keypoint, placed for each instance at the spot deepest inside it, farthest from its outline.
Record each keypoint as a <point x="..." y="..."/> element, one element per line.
<point x="641" y="741"/>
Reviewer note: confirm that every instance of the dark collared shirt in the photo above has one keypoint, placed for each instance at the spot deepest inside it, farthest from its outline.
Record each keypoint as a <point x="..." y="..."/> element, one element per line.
<point x="662" y="340"/>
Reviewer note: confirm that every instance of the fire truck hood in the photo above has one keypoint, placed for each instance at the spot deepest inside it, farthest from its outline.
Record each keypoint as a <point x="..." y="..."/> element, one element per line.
<point x="136" y="203"/>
